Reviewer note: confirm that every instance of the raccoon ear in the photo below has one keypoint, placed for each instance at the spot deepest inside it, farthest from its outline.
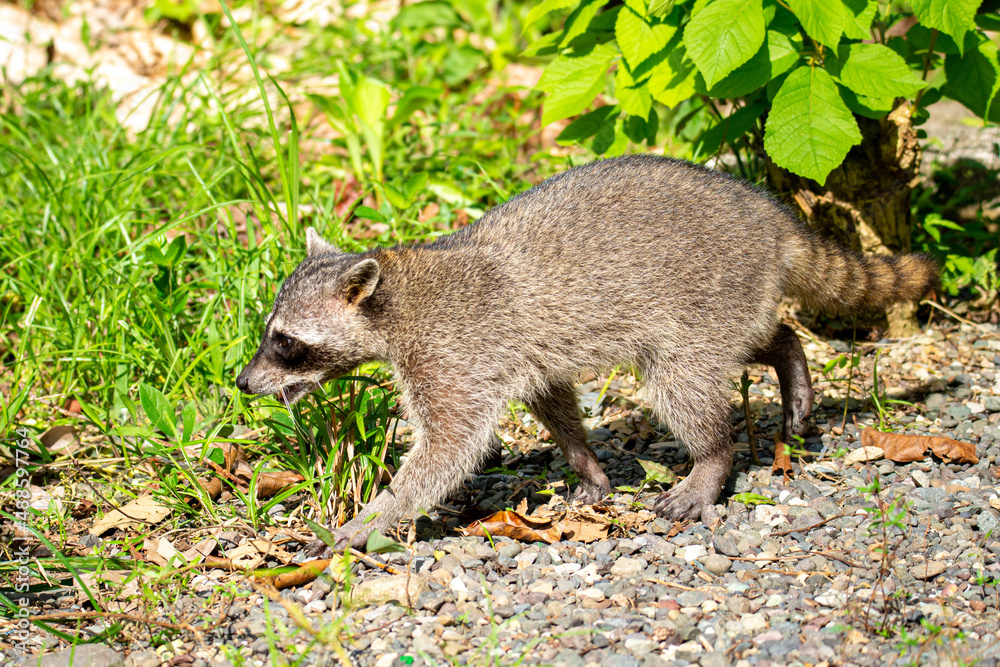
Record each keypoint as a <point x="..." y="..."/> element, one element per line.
<point x="359" y="281"/>
<point x="315" y="245"/>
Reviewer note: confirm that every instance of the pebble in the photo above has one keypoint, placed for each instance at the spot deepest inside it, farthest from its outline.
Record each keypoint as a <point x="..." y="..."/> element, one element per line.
<point x="656" y="592"/>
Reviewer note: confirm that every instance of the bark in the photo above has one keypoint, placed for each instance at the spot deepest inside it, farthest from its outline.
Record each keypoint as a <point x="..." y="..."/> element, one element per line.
<point x="865" y="202"/>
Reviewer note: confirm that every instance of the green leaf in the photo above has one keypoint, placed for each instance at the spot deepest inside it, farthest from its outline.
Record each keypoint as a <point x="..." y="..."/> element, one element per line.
<point x="578" y="22"/>
<point x="776" y="56"/>
<point x="861" y="14"/>
<point x="158" y="409"/>
<point x="216" y="455"/>
<point x="423" y="15"/>
<point x="322" y="532"/>
<point x="660" y="8"/>
<point x="635" y="101"/>
<point x="368" y="213"/>
<point x="637" y="39"/>
<point x="380" y="544"/>
<point x="573" y="81"/>
<point x="543" y="8"/>
<point x="723" y="36"/>
<point x="810" y="129"/>
<point x="987" y="22"/>
<point x="728" y="130"/>
<point x="657" y="472"/>
<point x="752" y="499"/>
<point x="414" y="184"/>
<point x="974" y="78"/>
<point x="395" y="197"/>
<point x="952" y="17"/>
<point x="873" y="70"/>
<point x="919" y="39"/>
<point x="588" y="124"/>
<point x="639" y="129"/>
<point x="673" y="79"/>
<point x="412" y="100"/>
<point x="823" y="20"/>
<point x="460" y="63"/>
<point x="869" y="107"/>
<point x="187" y="419"/>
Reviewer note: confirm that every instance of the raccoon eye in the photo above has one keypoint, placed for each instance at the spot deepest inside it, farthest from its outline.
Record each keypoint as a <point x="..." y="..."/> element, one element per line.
<point x="282" y="341"/>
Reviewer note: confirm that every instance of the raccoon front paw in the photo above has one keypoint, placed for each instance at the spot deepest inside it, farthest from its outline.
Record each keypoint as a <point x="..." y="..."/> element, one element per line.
<point x="318" y="549"/>
<point x="590" y="494"/>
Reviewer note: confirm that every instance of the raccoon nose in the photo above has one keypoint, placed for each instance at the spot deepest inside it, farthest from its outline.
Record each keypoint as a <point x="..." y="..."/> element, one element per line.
<point x="243" y="384"/>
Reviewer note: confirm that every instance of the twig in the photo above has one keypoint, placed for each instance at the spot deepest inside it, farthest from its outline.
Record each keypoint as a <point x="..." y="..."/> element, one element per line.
<point x="807" y="528"/>
<point x="944" y="310"/>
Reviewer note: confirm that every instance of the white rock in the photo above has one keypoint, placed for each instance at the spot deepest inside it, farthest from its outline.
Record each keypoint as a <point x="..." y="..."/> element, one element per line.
<point x="692" y="552"/>
<point x="976" y="408"/>
<point x="629" y="567"/>
<point x="768" y="514"/>
<point x="869" y="453"/>
<point x="920" y="478"/>
<point x="566" y="569"/>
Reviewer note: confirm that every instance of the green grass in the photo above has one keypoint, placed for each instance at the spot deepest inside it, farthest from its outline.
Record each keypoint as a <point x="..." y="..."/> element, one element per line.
<point x="136" y="271"/>
<point x="150" y="261"/>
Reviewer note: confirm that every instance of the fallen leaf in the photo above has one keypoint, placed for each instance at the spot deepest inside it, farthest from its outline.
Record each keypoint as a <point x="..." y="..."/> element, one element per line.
<point x="515" y="526"/>
<point x="142" y="511"/>
<point x="903" y="448"/>
<point x="658" y="472"/>
<point x="273" y="483"/>
<point x="60" y="440"/>
<point x="782" y="460"/>
<point x="584" y="531"/>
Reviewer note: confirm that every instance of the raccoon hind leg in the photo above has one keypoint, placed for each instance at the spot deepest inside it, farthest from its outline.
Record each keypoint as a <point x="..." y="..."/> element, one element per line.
<point x="692" y="400"/>
<point x="556" y="407"/>
<point x="784" y="353"/>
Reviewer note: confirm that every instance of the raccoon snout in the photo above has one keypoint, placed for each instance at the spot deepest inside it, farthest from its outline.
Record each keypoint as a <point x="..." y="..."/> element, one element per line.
<point x="243" y="382"/>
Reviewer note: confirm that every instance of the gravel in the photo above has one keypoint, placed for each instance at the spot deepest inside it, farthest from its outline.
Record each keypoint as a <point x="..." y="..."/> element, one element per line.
<point x="798" y="582"/>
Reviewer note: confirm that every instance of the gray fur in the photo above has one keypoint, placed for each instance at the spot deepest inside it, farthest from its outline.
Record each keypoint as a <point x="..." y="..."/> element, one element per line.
<point x="648" y="261"/>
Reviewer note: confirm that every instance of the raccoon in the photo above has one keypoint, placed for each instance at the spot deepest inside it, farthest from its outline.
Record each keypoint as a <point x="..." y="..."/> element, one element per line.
<point x="667" y="266"/>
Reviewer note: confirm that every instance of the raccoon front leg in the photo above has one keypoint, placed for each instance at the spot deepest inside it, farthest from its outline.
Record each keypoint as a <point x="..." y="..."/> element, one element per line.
<point x="558" y="410"/>
<point x="693" y="403"/>
<point x="786" y="356"/>
<point x="451" y="437"/>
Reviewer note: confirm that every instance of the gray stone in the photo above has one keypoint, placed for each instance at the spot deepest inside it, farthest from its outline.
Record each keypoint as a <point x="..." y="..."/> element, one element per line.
<point x="717" y="564"/>
<point x="628" y="567"/>
<point x="599" y="434"/>
<point x="627" y="546"/>
<point x="726" y="545"/>
<point x="935" y="402"/>
<point x="691" y="598"/>
<point x="84" y="655"/>
<point x="988" y="522"/>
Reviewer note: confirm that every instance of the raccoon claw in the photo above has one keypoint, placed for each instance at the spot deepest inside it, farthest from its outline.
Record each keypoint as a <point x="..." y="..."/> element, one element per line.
<point x="684" y="502"/>
<point x="589" y="494"/>
<point x="318" y="549"/>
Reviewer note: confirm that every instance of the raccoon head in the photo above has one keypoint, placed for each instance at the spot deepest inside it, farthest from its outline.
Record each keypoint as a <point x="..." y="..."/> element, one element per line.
<point x="320" y="326"/>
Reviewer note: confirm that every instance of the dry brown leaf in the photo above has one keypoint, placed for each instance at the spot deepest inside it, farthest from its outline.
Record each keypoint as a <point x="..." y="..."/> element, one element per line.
<point x="245" y="557"/>
<point x="60" y="440"/>
<point x="782" y="461"/>
<point x="903" y="448"/>
<point x="515" y="526"/>
<point x="213" y="487"/>
<point x="142" y="511"/>
<point x="584" y="531"/>
<point x="272" y="483"/>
